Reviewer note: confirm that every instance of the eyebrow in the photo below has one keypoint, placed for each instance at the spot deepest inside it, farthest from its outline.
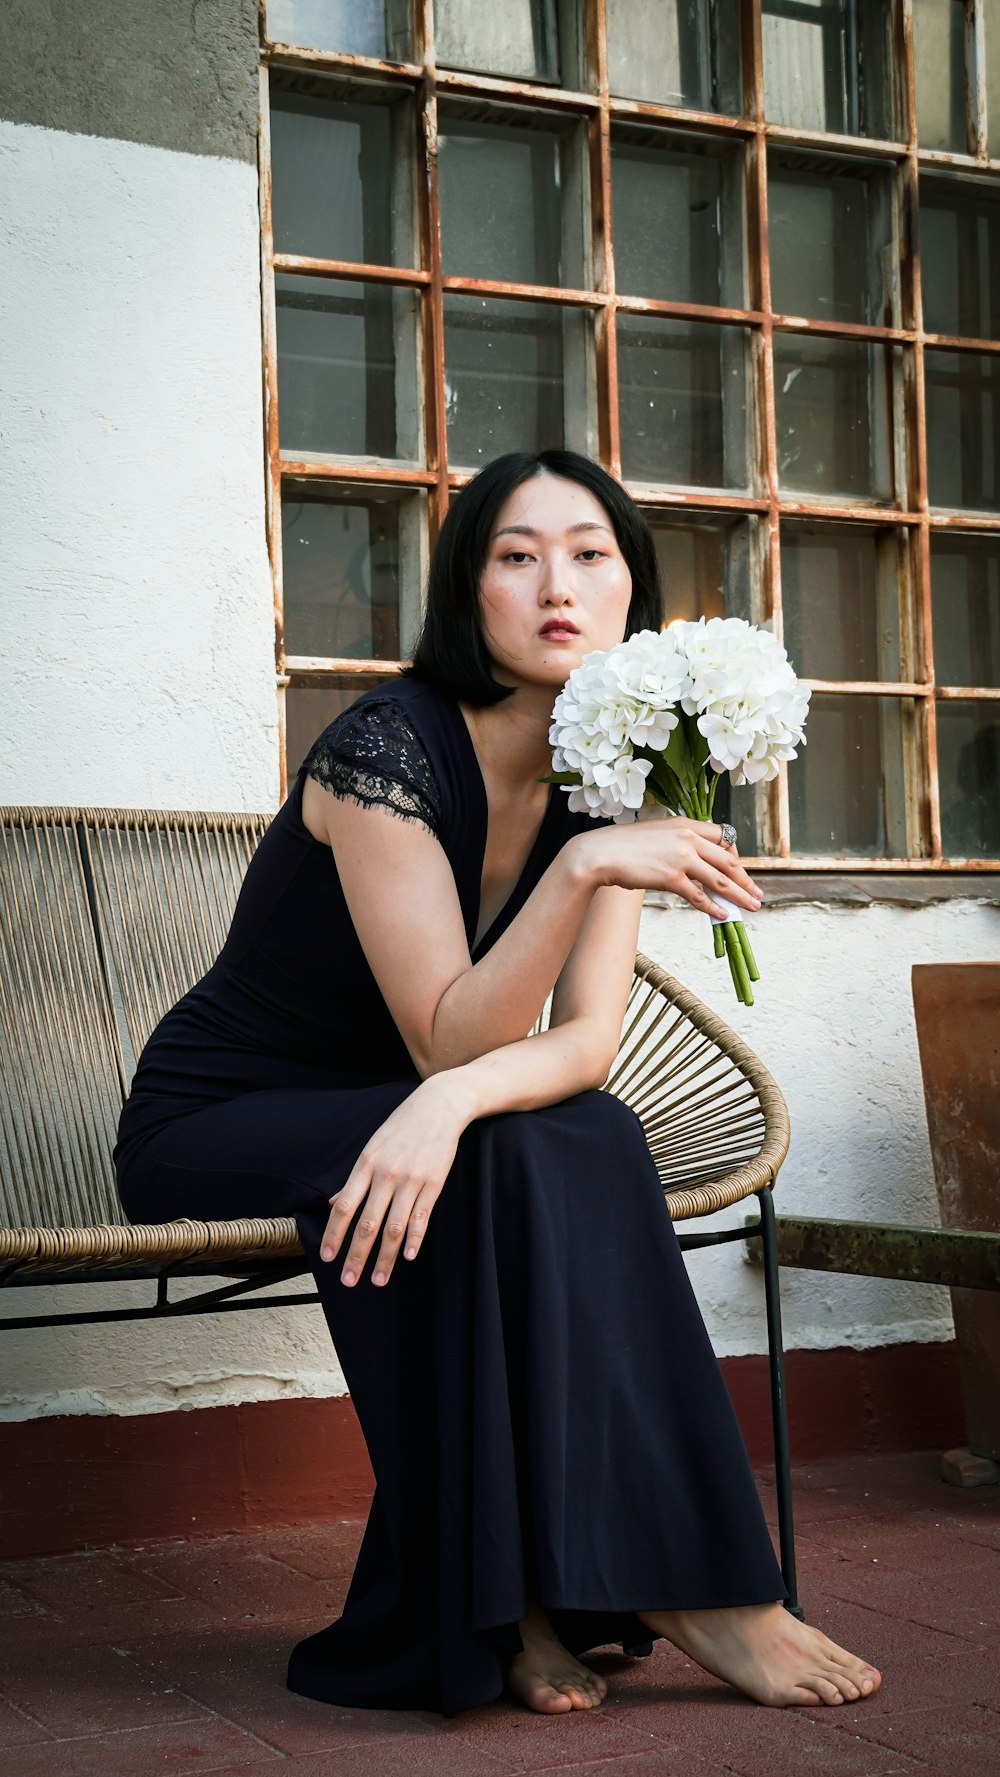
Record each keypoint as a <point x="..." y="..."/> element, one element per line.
<point x="526" y="530"/>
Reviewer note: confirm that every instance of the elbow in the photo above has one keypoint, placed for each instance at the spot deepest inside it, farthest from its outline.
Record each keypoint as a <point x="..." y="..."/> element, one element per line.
<point x="596" y="1050"/>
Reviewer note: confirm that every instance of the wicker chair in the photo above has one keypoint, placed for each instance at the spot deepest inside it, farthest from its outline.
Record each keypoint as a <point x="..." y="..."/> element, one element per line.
<point x="107" y="916"/>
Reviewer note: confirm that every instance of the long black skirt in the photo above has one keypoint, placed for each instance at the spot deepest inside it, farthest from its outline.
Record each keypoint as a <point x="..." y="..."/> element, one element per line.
<point x="544" y="1413"/>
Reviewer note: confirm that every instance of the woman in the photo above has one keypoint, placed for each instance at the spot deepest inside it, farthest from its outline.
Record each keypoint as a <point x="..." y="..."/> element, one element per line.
<point x="556" y="1459"/>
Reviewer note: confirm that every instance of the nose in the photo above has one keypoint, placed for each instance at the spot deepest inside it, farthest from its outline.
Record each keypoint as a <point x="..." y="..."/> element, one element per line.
<point x="554" y="584"/>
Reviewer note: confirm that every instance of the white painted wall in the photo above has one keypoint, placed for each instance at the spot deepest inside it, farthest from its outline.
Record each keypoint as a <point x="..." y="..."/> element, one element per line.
<point x="136" y="627"/>
<point x="137" y="641"/>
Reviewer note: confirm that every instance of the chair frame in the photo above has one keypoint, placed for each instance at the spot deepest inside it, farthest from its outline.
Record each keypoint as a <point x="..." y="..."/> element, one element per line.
<point x="741" y="1109"/>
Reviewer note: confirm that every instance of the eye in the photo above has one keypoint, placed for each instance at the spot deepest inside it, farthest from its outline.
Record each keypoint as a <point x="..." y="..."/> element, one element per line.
<point x="517" y="555"/>
<point x="591" y="554"/>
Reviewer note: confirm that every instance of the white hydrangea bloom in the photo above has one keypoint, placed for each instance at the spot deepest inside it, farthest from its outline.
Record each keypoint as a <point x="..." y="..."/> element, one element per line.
<point x="732" y="676"/>
<point x="751" y="708"/>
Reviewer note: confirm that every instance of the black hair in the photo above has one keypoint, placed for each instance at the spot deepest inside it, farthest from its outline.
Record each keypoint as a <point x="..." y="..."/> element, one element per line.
<point x="451" y="650"/>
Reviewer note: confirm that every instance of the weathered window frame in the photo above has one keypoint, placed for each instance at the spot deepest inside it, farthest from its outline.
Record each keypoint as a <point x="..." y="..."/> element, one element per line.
<point x="909" y="512"/>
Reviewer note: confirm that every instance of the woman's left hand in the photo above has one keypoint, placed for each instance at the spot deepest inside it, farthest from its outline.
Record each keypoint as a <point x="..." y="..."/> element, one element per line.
<point x="398" y="1175"/>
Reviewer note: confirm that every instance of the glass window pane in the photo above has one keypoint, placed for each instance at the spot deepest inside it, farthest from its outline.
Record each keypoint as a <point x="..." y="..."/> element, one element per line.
<point x="346" y="367"/>
<point x="350" y="571"/>
<point x="846" y="786"/>
<point x="519" y="38"/>
<point x="960" y="257"/>
<point x="531" y="230"/>
<point x="965" y="590"/>
<point x="827" y="65"/>
<point x="352" y="27"/>
<point x="705" y="569"/>
<point x="963" y="429"/>
<point x="518" y="376"/>
<point x="704" y="565"/>
<point x="840" y="596"/>
<point x="678" y="218"/>
<point x="677" y="52"/>
<point x="939" y="48"/>
<point x="832" y="424"/>
<point x="311" y="708"/>
<point x="682" y="400"/>
<point x="831" y="239"/>
<point x="340" y="174"/>
<point x="969" y="777"/>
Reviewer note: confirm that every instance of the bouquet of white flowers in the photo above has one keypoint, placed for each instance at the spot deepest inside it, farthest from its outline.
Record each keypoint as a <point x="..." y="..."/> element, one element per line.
<point x="654" y="722"/>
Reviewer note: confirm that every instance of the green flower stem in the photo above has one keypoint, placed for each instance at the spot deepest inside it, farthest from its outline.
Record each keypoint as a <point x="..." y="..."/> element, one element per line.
<point x="737" y="961"/>
<point x="732" y="971"/>
<point x="717" y="938"/>
<point x="748" y="955"/>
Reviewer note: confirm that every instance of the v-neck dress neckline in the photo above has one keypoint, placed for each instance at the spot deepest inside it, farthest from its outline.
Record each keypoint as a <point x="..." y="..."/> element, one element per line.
<point x="526" y="880"/>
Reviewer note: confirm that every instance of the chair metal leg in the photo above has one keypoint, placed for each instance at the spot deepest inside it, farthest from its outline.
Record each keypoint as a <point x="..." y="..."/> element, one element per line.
<point x="779" y="1400"/>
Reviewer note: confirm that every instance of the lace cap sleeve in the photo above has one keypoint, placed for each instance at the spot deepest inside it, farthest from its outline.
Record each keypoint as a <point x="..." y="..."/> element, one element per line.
<point x="372" y="755"/>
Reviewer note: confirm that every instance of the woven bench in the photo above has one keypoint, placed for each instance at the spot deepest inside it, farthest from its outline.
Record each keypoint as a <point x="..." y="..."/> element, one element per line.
<point x="108" y="916"/>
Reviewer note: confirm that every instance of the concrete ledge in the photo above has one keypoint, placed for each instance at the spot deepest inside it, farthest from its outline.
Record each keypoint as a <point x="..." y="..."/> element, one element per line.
<point x="951" y="1256"/>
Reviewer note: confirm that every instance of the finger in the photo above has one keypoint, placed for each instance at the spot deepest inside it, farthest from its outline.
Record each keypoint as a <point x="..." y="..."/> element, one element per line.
<point x="713" y="880"/>
<point x="342" y="1210"/>
<point x="392" y="1235"/>
<point x="419" y="1217"/>
<point x="365" y="1229"/>
<point x="730" y="872"/>
<point x="699" y="897"/>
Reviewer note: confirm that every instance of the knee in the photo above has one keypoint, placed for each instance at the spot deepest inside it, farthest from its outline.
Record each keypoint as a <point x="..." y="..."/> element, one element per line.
<point x="592" y="1121"/>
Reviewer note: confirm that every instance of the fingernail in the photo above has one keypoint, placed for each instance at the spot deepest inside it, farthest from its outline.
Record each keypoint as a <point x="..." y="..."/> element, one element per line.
<point x="379" y="1277"/>
<point x="410" y="1253"/>
<point x="348" y="1277"/>
<point x="326" y="1252"/>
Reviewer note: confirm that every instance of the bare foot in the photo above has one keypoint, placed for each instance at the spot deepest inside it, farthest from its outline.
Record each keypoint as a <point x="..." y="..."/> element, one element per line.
<point x="546" y="1676"/>
<point x="763" y="1650"/>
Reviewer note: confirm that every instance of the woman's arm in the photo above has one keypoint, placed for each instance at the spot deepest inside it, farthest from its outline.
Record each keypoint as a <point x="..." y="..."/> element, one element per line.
<point x="402" y="899"/>
<point x="402" y="1168"/>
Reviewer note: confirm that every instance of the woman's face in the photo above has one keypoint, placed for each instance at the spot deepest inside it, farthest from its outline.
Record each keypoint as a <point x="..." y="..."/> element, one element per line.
<point x="555" y="584"/>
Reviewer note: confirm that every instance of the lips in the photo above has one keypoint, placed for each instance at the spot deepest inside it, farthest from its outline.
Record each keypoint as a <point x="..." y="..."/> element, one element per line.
<point x="559" y="627"/>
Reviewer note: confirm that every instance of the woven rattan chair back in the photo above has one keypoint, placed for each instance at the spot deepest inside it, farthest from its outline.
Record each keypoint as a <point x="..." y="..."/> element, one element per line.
<point x="164" y="888"/>
<point x="715" y="1120"/>
<point x="106" y="919"/>
<point x="60" y="1069"/>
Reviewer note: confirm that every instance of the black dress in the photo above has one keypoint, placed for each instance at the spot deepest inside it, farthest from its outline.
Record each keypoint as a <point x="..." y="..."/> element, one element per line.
<point x="542" y="1407"/>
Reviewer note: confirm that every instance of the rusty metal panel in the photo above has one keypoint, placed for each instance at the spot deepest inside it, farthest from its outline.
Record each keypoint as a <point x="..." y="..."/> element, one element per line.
<point x="957" y="1008"/>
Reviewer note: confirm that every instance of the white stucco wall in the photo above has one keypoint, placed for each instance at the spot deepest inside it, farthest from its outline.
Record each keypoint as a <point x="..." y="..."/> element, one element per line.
<point x="136" y="626"/>
<point x="137" y="646"/>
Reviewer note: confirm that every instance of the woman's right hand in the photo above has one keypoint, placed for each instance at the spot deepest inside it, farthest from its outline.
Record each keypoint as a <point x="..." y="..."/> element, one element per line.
<point x="681" y="856"/>
<point x="398" y="1176"/>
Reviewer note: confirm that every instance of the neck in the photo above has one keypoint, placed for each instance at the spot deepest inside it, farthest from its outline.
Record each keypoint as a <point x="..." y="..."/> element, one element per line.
<point x="512" y="738"/>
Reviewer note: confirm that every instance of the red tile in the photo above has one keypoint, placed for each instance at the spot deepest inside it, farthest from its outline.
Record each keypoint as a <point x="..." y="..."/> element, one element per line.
<point x="93" y="1581"/>
<point x="241" y="1678"/>
<point x="962" y="1742"/>
<point x="16" y="1603"/>
<point x="913" y="1541"/>
<point x="17" y="1729"/>
<point x="324" y="1552"/>
<point x="750" y="1741"/>
<point x="201" y="1744"/>
<point x="236" y="1582"/>
<point x="964" y="1602"/>
<point x="523" y="1741"/>
<point x="88" y="1690"/>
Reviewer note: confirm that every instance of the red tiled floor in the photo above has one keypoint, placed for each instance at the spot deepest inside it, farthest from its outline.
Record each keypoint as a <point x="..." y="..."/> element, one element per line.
<point x="171" y="1659"/>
